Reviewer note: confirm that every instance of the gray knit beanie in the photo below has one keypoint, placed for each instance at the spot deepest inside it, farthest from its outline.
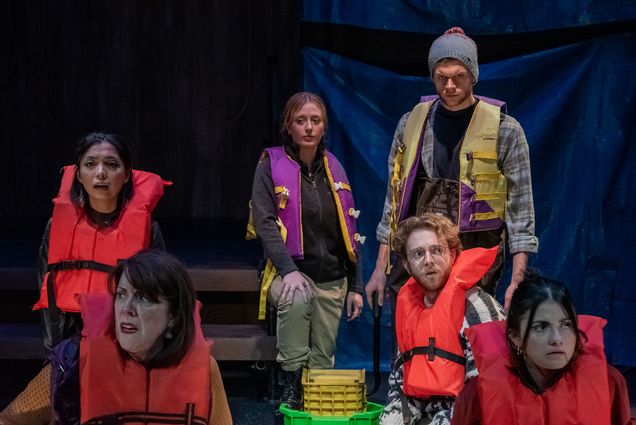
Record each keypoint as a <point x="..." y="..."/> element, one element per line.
<point x="456" y="45"/>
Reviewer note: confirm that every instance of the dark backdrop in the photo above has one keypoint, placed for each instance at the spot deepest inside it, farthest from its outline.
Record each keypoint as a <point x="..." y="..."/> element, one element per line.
<point x="195" y="87"/>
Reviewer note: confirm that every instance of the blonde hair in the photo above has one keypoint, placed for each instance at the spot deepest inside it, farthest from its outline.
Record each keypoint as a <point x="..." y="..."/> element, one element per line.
<point x="293" y="105"/>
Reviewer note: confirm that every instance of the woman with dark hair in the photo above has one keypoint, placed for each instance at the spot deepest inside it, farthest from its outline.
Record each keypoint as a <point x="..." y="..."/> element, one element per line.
<point x="303" y="212"/>
<point x="101" y="214"/>
<point x="545" y="365"/>
<point x="143" y="356"/>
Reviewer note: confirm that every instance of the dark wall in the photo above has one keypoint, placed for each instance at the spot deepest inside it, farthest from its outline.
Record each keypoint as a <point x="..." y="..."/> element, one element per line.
<point x="194" y="86"/>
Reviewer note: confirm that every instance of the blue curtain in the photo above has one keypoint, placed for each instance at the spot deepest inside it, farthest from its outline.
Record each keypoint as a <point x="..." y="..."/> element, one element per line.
<point x="576" y="104"/>
<point x="475" y="16"/>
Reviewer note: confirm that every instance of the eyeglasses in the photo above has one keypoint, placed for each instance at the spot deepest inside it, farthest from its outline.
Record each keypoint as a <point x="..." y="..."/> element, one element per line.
<point x="457" y="78"/>
<point x="417" y="254"/>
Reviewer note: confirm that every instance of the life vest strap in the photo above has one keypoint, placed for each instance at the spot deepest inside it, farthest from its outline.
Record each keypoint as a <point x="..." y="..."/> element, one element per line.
<point x="430" y="351"/>
<point x="284" y="196"/>
<point x="52" y="268"/>
<point x="79" y="264"/>
<point x="186" y="418"/>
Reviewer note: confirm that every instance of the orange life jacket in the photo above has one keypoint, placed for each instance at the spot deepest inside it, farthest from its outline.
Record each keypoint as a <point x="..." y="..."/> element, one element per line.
<point x="113" y="385"/>
<point x="581" y="396"/>
<point x="81" y="254"/>
<point x="428" y="337"/>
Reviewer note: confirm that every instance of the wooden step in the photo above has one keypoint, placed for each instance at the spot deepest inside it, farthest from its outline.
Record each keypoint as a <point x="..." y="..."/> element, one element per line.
<point x="231" y="342"/>
<point x="204" y="279"/>
<point x="219" y="266"/>
<point x="224" y="280"/>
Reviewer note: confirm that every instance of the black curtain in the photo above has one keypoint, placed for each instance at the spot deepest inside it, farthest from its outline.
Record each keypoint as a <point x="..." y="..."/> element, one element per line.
<point x="195" y="87"/>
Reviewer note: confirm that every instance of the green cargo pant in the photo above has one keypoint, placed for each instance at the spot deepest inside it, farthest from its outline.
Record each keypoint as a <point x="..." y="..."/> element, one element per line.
<point x="306" y="332"/>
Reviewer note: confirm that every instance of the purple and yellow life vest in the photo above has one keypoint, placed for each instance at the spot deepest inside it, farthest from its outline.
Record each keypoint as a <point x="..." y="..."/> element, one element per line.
<point x="482" y="187"/>
<point x="287" y="187"/>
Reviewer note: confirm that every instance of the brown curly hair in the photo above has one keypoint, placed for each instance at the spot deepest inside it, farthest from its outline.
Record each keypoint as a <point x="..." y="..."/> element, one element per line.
<point x="447" y="232"/>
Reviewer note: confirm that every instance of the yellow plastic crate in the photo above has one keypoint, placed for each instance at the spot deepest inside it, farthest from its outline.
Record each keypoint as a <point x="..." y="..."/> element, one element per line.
<point x="334" y="392"/>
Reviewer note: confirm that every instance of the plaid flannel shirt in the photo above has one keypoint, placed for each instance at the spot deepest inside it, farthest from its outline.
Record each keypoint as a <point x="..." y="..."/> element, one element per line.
<point x="514" y="162"/>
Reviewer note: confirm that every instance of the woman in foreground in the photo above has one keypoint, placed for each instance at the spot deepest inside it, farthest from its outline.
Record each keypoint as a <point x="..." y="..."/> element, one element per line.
<point x="142" y="357"/>
<point x="544" y="365"/>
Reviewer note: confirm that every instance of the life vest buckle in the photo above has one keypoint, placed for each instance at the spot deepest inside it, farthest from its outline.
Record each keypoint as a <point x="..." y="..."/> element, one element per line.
<point x="431" y="349"/>
<point x="354" y="213"/>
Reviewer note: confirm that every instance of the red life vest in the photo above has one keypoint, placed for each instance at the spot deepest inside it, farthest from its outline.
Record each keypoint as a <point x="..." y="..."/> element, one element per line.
<point x="117" y="386"/>
<point x="81" y="254"/>
<point x="437" y="371"/>
<point x="581" y="396"/>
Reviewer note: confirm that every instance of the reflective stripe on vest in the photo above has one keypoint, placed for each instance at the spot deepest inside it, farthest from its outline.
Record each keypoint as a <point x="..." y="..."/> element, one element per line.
<point x="116" y="386"/>
<point x="75" y="240"/>
<point x="581" y="396"/>
<point x="416" y="325"/>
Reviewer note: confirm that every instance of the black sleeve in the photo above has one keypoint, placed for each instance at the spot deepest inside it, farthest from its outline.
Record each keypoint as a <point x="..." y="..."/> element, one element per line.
<point x="43" y="255"/>
<point x="354" y="274"/>
<point x="265" y="214"/>
<point x="156" y="237"/>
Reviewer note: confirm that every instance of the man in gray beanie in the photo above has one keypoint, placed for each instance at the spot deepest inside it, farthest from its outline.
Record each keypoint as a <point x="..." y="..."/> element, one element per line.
<point x="460" y="156"/>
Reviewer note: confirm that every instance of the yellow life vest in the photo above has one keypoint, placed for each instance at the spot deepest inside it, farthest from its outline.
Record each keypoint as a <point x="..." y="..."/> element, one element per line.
<point x="482" y="187"/>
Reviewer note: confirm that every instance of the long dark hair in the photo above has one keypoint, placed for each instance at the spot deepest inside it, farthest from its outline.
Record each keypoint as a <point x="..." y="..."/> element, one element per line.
<point x="155" y="273"/>
<point x="531" y="292"/>
<point x="78" y="193"/>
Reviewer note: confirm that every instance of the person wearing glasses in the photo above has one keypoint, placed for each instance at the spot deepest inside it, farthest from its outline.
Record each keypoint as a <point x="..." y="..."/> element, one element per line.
<point x="434" y="307"/>
<point x="461" y="156"/>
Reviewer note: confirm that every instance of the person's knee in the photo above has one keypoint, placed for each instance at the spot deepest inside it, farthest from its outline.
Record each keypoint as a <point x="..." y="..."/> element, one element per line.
<point x="297" y="308"/>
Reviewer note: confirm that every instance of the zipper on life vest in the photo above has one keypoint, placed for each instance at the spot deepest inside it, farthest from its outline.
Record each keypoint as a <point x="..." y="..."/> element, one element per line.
<point x="313" y="180"/>
<point x="320" y="218"/>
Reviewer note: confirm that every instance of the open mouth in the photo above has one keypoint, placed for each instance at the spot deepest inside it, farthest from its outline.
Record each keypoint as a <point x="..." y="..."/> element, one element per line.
<point x="100" y="186"/>
<point x="127" y="328"/>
